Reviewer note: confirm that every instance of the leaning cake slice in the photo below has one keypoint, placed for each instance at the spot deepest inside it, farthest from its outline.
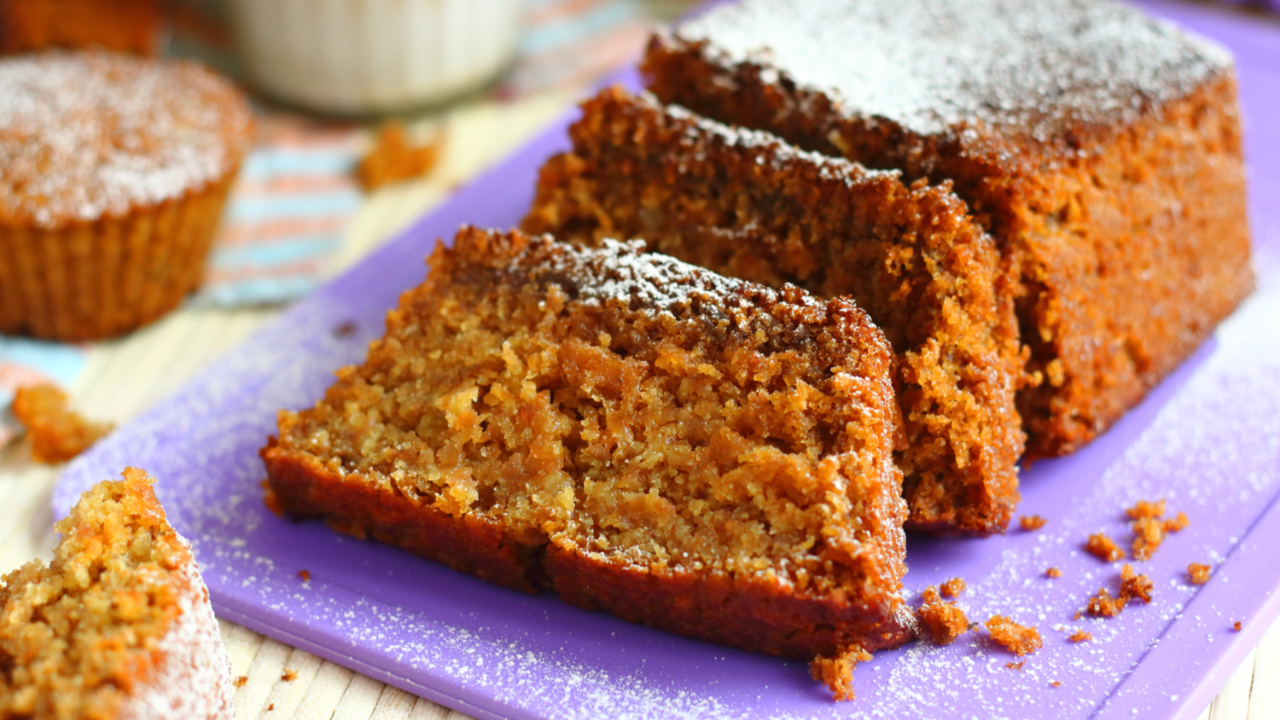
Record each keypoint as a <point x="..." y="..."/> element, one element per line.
<point x="749" y="205"/>
<point x="699" y="454"/>
<point x="118" y="625"/>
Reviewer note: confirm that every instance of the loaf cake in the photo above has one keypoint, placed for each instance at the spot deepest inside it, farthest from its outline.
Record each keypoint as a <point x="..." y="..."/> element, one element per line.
<point x="132" y="26"/>
<point x="696" y="453"/>
<point x="114" y="171"/>
<point x="118" y="626"/>
<point x="745" y="204"/>
<point x="1101" y="149"/>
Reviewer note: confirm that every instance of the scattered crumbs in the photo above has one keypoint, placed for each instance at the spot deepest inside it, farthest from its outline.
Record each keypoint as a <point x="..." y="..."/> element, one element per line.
<point x="1178" y="523"/>
<point x="1053" y="572"/>
<point x="1148" y="533"/>
<point x="271" y="707"/>
<point x="837" y="672"/>
<point x="289" y="675"/>
<point x="1015" y="665"/>
<point x="1031" y="522"/>
<point x="1056" y="683"/>
<point x="1076" y="616"/>
<point x="1017" y="639"/>
<point x="1134" y="586"/>
<point x="393" y="159"/>
<point x="952" y="588"/>
<point x="1103" y="605"/>
<point x="1237" y="626"/>
<point x="305" y="575"/>
<point x="1103" y="548"/>
<point x="1080" y="636"/>
<point x="1198" y="574"/>
<point x="943" y="621"/>
<point x="241" y="681"/>
<point x="1145" y="509"/>
<point x="345" y="329"/>
<point x="57" y="432"/>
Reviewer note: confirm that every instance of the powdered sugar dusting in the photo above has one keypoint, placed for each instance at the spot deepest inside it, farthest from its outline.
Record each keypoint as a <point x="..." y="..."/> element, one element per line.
<point x="193" y="680"/>
<point x="933" y="65"/>
<point x="84" y="135"/>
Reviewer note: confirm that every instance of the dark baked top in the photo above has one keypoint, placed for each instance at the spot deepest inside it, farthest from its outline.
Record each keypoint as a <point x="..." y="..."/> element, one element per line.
<point x="1040" y="67"/>
<point x="90" y="134"/>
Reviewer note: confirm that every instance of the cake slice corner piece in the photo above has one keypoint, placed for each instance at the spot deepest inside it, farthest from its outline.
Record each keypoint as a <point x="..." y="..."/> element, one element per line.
<point x="118" y="624"/>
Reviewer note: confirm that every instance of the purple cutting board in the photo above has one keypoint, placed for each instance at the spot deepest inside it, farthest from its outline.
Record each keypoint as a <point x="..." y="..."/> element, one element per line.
<point x="1208" y="439"/>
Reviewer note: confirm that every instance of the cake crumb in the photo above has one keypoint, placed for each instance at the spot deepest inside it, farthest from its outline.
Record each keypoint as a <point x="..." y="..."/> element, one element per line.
<point x="305" y="575"/>
<point x="1148" y="534"/>
<point x="1056" y="683"/>
<point x="1015" y="638"/>
<point x="392" y="159"/>
<point x="952" y="588"/>
<point x="271" y="707"/>
<point x="1053" y="572"/>
<point x="1178" y="523"/>
<point x="837" y="672"/>
<point x="1015" y="665"/>
<point x="1199" y="574"/>
<point x="241" y="681"/>
<point x="1134" y="586"/>
<point x="1103" y="548"/>
<point x="1103" y="605"/>
<point x="289" y="675"/>
<point x="943" y="621"/>
<point x="1080" y="636"/>
<point x="57" y="432"/>
<point x="1144" y="509"/>
<point x="345" y="329"/>
<point x="1032" y="522"/>
<point x="1237" y="626"/>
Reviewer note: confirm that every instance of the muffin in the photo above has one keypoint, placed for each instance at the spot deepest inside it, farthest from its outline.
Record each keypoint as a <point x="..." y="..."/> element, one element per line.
<point x="113" y="174"/>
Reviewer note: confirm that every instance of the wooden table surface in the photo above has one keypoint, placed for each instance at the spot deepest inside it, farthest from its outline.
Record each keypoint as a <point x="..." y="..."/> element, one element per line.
<point x="125" y="377"/>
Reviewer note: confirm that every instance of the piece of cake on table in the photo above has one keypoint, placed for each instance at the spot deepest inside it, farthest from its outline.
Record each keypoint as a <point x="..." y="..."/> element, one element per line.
<point x="745" y="204"/>
<point x="118" y="625"/>
<point x="1101" y="149"/>
<point x="696" y="453"/>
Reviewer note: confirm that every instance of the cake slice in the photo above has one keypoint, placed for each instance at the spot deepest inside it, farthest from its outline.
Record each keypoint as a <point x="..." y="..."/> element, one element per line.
<point x="696" y="453"/>
<point x="1100" y="148"/>
<point x="118" y="625"/>
<point x="746" y="204"/>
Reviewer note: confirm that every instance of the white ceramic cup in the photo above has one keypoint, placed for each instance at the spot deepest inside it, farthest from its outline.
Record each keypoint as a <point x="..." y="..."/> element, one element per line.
<point x="374" y="56"/>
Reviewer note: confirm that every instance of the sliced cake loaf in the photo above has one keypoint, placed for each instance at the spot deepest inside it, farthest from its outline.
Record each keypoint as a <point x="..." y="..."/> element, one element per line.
<point x="1101" y="148"/>
<point x="746" y="204"/>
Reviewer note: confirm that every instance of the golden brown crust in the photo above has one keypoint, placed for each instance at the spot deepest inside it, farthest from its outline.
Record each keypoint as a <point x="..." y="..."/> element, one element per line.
<point x="1121" y="255"/>
<point x="500" y="427"/>
<point x="304" y="487"/>
<point x="747" y="205"/>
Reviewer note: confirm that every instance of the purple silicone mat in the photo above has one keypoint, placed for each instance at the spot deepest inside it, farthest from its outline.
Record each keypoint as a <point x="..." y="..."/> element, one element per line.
<point x="1208" y="439"/>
